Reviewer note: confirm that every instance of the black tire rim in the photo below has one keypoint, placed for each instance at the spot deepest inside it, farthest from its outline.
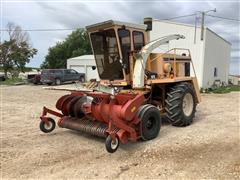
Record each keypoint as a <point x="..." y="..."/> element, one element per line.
<point x="150" y="123"/>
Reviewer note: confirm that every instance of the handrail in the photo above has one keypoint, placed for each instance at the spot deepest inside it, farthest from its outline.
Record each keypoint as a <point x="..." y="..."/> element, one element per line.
<point x="143" y="55"/>
<point x="174" y="57"/>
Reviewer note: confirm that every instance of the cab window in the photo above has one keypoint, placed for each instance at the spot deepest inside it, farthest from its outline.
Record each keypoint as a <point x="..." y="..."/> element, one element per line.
<point x="73" y="71"/>
<point x="125" y="43"/>
<point x="138" y="40"/>
<point x="105" y="48"/>
<point x="67" y="71"/>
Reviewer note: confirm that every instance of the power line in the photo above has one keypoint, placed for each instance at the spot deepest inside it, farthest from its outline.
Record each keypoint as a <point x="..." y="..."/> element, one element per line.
<point x="177" y="17"/>
<point x="230" y="19"/>
<point x="70" y="29"/>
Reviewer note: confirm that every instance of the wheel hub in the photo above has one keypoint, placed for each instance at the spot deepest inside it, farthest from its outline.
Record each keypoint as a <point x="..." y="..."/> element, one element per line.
<point x="114" y="145"/>
<point x="48" y="125"/>
<point x="150" y="123"/>
<point x="187" y="104"/>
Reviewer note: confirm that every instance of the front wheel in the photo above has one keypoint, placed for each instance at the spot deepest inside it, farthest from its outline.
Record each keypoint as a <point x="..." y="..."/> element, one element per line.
<point x="47" y="127"/>
<point x="150" y="120"/>
<point x="111" y="146"/>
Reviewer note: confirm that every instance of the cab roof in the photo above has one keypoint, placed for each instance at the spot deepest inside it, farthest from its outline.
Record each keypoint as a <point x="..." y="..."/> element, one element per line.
<point x="109" y="23"/>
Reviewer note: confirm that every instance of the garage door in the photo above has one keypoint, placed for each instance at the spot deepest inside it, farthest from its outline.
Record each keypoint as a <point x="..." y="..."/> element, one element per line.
<point x="91" y="74"/>
<point x="78" y="68"/>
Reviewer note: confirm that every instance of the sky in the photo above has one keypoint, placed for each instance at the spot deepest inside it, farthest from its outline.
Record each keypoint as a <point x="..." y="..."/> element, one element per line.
<point x="60" y="14"/>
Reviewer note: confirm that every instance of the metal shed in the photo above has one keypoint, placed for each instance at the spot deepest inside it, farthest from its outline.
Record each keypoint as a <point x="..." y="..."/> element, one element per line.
<point x="83" y="64"/>
<point x="211" y="56"/>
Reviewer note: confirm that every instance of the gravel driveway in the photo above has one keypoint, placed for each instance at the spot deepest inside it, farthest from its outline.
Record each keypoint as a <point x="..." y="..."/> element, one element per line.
<point x="209" y="148"/>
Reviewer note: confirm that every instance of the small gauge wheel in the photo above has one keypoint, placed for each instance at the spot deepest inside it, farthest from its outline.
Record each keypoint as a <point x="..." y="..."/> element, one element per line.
<point x="47" y="127"/>
<point x="111" y="146"/>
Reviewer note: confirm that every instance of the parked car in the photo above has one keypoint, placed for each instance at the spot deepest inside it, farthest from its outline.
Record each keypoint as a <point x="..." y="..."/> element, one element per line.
<point x="59" y="76"/>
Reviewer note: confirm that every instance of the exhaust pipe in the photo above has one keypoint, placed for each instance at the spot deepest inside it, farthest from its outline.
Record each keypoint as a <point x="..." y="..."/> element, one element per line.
<point x="148" y="22"/>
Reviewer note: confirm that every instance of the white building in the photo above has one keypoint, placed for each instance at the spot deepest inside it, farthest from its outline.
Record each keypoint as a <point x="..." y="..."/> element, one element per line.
<point x="83" y="64"/>
<point x="234" y="79"/>
<point x="211" y="56"/>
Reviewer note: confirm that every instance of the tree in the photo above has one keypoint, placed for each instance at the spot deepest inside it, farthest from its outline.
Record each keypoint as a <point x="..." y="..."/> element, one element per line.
<point x="76" y="44"/>
<point x="16" y="51"/>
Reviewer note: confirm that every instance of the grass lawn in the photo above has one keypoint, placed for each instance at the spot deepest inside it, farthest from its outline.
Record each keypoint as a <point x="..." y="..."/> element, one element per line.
<point x="226" y="89"/>
<point x="12" y="81"/>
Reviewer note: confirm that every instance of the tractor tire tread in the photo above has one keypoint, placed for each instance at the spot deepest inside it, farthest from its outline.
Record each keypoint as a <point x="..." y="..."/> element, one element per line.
<point x="173" y="108"/>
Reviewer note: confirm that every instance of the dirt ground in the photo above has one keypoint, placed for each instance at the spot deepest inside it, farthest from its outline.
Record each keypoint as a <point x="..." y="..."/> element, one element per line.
<point x="209" y="148"/>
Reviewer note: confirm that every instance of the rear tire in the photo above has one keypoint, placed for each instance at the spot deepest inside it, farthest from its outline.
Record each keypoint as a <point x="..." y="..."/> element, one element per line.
<point x="181" y="104"/>
<point x="82" y="79"/>
<point x="151" y="122"/>
<point x="58" y="81"/>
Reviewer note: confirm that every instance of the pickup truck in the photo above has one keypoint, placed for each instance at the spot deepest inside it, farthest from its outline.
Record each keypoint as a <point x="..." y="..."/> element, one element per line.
<point x="60" y="76"/>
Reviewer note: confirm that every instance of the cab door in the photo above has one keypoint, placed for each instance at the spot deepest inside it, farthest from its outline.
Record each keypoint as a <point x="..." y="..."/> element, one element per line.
<point x="75" y="75"/>
<point x="67" y="75"/>
<point x="71" y="75"/>
<point x="125" y="43"/>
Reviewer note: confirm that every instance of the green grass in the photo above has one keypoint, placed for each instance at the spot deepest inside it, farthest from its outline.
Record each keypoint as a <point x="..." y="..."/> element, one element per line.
<point x="235" y="88"/>
<point x="222" y="90"/>
<point x="11" y="81"/>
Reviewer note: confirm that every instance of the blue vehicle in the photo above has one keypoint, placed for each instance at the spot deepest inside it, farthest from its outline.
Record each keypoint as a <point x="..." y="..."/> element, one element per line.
<point x="60" y="76"/>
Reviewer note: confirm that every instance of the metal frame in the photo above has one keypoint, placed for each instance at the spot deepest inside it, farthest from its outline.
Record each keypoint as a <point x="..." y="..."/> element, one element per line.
<point x="118" y="113"/>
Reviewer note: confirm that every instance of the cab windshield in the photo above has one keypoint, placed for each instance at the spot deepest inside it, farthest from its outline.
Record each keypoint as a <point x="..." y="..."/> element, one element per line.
<point x="106" y="53"/>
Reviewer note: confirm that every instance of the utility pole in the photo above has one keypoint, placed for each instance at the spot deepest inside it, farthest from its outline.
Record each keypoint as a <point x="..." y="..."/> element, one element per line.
<point x="203" y="13"/>
<point x="195" y="28"/>
<point x="202" y="25"/>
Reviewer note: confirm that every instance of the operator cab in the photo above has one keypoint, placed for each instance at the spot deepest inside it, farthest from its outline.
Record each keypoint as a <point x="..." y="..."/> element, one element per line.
<point x="113" y="44"/>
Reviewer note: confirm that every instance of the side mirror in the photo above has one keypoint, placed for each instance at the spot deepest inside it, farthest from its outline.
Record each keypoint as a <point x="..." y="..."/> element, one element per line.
<point x="93" y="67"/>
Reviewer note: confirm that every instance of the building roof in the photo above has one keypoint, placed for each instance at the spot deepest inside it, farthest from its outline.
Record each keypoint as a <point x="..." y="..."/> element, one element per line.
<point x="113" y="22"/>
<point x="83" y="57"/>
<point x="219" y="36"/>
<point x="238" y="76"/>
<point x="190" y="25"/>
<point x="174" y="22"/>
